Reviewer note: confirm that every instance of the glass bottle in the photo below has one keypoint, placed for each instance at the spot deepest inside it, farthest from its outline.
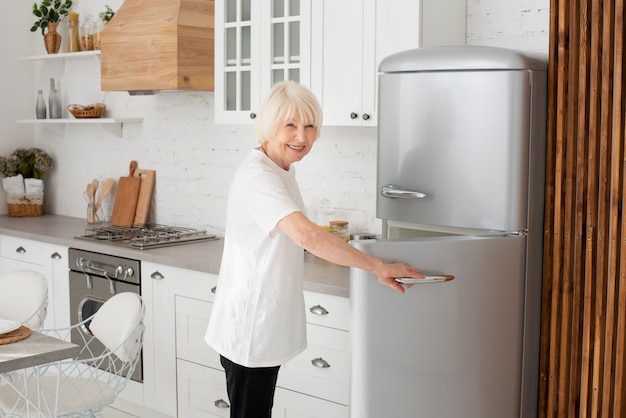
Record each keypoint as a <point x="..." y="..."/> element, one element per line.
<point x="54" y="103"/>
<point x="40" y="108"/>
<point x="86" y="34"/>
<point x="73" y="42"/>
<point x="97" y="30"/>
<point x="340" y="228"/>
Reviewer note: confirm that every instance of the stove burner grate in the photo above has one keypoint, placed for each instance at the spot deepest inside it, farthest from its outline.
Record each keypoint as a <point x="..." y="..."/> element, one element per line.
<point x="145" y="236"/>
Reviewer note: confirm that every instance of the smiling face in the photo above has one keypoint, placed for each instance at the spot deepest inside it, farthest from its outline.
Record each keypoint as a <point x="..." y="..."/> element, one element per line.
<point x="293" y="139"/>
<point x="288" y="123"/>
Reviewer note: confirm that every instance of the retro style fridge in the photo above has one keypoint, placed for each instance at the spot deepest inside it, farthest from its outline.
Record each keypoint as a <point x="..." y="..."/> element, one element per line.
<point x="461" y="155"/>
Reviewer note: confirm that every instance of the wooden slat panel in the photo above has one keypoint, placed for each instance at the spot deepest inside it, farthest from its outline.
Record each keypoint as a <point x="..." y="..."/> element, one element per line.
<point x="583" y="336"/>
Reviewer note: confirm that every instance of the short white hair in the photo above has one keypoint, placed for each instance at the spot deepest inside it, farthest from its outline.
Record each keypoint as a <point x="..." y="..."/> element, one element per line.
<point x="284" y="101"/>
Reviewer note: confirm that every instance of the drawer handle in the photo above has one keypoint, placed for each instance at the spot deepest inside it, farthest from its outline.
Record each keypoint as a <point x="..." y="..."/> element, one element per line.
<point x="221" y="403"/>
<point x="55" y="256"/>
<point x="157" y="276"/>
<point x="320" y="362"/>
<point x="318" y="310"/>
<point x="20" y="250"/>
<point x="214" y="289"/>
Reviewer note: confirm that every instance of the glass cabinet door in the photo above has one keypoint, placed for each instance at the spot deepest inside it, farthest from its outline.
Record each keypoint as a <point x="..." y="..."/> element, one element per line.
<point x="257" y="44"/>
<point x="285" y="40"/>
<point x="237" y="55"/>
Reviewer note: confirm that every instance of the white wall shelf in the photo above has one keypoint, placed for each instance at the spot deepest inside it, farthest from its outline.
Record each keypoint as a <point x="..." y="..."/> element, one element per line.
<point x="114" y="125"/>
<point x="61" y="56"/>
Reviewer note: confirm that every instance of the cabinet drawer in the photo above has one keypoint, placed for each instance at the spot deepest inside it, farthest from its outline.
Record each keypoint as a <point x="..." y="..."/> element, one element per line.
<point x="289" y="404"/>
<point x="323" y="369"/>
<point x="24" y="250"/>
<point x="327" y="310"/>
<point x="192" y="319"/>
<point x="201" y="391"/>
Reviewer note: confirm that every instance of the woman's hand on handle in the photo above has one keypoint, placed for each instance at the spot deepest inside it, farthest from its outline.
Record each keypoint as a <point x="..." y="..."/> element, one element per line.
<point x="396" y="270"/>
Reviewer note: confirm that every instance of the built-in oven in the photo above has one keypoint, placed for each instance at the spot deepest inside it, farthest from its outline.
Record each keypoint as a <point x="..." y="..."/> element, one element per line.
<point x="94" y="278"/>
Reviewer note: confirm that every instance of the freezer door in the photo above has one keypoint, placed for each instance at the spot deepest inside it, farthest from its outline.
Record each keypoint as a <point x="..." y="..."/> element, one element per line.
<point x="460" y="140"/>
<point x="445" y="349"/>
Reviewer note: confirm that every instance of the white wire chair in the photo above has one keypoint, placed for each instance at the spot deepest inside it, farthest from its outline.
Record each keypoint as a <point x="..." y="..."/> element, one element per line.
<point x="24" y="297"/>
<point x="84" y="386"/>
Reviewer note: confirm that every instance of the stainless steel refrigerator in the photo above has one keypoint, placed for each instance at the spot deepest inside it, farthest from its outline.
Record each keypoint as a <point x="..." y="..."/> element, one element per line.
<point x="461" y="154"/>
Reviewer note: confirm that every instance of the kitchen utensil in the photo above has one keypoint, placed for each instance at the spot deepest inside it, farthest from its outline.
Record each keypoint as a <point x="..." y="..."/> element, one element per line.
<point x="91" y="195"/>
<point x="104" y="191"/>
<point x="145" y="194"/>
<point x="126" y="198"/>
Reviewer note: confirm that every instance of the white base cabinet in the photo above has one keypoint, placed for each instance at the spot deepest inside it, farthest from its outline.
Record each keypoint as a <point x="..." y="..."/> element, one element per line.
<point x="314" y="384"/>
<point x="159" y="285"/>
<point x="48" y="259"/>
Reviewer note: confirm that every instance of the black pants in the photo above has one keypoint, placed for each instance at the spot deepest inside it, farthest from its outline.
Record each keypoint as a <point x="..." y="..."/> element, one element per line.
<point x="250" y="390"/>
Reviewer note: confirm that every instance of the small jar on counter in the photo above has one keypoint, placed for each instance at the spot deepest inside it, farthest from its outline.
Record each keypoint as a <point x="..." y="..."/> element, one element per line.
<point x="340" y="228"/>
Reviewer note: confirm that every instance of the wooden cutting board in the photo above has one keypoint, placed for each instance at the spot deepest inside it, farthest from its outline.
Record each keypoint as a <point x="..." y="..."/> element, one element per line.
<point x="145" y="194"/>
<point x="126" y="198"/>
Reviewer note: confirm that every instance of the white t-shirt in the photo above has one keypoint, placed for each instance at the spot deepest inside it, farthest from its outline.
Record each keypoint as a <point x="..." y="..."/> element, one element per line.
<point x="258" y="317"/>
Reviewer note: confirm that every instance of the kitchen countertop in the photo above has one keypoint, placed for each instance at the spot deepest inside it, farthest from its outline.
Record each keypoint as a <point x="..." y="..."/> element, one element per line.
<point x="205" y="256"/>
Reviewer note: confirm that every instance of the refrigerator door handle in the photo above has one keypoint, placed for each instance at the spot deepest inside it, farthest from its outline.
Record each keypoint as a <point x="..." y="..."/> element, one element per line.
<point x="426" y="280"/>
<point x="393" y="191"/>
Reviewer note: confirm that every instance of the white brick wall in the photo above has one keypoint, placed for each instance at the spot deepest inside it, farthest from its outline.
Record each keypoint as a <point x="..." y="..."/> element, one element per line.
<point x="195" y="158"/>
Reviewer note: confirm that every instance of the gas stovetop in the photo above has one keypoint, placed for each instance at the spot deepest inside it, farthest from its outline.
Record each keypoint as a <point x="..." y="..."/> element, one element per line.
<point x="145" y="236"/>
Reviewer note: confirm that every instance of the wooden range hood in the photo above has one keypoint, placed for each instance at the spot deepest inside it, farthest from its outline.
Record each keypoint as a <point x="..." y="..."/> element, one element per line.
<point x="152" y="45"/>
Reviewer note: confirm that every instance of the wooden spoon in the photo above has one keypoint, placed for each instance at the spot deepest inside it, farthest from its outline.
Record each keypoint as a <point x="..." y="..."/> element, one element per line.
<point x="94" y="183"/>
<point x="91" y="193"/>
<point x="104" y="191"/>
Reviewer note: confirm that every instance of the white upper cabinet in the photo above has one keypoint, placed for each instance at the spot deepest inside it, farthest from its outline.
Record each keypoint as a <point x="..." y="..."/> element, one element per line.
<point x="332" y="46"/>
<point x="256" y="45"/>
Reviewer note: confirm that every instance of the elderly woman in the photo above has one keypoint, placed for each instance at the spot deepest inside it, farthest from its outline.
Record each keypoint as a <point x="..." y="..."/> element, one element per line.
<point x="258" y="317"/>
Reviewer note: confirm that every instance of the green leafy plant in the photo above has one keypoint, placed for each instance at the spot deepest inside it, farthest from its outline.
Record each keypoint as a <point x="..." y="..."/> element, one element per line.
<point x="107" y="15"/>
<point x="49" y="11"/>
<point x="29" y="162"/>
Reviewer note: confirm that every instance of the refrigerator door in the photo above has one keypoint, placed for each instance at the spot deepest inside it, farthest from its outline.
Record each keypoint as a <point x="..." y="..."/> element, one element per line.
<point x="457" y="142"/>
<point x="445" y="349"/>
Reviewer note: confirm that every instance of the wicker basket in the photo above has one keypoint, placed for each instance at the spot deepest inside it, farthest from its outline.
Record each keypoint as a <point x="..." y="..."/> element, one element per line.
<point x="94" y="110"/>
<point x="25" y="205"/>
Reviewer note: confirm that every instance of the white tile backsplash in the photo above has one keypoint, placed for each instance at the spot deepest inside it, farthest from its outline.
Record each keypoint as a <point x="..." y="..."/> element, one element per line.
<point x="195" y="159"/>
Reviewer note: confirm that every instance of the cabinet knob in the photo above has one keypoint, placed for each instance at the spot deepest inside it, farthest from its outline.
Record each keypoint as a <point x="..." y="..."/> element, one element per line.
<point x="221" y="403"/>
<point x="366" y="116"/>
<point x="318" y="310"/>
<point x="320" y="362"/>
<point x="56" y="256"/>
<point x="157" y="276"/>
<point x="20" y="250"/>
<point x="252" y="115"/>
<point x="214" y="289"/>
<point x="354" y="115"/>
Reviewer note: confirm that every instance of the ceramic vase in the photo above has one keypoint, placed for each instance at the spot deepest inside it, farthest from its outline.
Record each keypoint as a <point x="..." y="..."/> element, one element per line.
<point x="52" y="38"/>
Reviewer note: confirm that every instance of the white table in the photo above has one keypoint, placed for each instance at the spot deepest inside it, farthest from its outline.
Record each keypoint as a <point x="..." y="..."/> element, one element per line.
<point x="36" y="350"/>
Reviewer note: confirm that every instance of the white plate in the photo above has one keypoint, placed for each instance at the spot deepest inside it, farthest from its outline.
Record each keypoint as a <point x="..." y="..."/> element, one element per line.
<point x="8" y="325"/>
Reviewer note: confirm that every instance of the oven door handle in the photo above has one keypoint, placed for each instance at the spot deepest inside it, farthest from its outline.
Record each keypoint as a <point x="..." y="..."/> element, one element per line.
<point x="88" y="266"/>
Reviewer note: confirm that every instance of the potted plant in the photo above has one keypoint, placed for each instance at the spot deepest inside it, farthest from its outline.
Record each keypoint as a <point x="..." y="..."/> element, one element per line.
<point x="49" y="13"/>
<point x="23" y="182"/>
<point x="107" y="15"/>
